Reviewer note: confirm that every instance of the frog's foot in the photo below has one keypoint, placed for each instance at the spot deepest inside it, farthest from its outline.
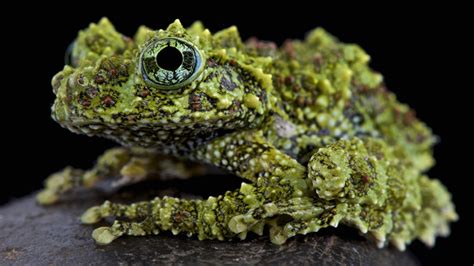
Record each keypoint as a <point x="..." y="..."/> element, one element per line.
<point x="109" y="164"/>
<point x="59" y="183"/>
<point x="105" y="235"/>
<point x="133" y="211"/>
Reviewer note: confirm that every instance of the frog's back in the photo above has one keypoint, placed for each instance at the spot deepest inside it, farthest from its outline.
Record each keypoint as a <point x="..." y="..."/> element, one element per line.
<point x="326" y="91"/>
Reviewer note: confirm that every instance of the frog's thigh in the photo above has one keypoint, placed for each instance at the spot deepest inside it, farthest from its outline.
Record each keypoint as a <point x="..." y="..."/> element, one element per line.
<point x="368" y="183"/>
<point x="350" y="178"/>
<point x="345" y="166"/>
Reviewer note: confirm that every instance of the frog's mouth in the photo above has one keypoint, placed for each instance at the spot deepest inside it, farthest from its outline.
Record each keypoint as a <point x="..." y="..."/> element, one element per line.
<point x="162" y="134"/>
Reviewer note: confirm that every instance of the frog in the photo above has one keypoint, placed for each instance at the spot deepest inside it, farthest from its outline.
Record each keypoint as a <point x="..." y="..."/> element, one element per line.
<point x="311" y="129"/>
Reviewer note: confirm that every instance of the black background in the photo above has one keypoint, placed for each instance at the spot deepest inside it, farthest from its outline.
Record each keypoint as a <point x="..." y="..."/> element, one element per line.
<point x="419" y="50"/>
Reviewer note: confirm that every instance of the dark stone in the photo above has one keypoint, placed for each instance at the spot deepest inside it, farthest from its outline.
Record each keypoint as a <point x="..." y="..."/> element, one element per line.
<point x="36" y="235"/>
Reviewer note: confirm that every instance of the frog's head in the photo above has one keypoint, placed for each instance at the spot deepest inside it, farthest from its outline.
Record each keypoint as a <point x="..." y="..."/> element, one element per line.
<point x="161" y="88"/>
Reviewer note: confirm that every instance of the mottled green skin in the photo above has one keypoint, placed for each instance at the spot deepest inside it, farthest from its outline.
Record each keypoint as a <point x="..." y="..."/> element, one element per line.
<point x="310" y="127"/>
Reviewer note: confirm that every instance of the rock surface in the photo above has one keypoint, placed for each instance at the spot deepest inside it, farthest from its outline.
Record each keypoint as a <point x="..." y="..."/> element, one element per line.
<point x="32" y="234"/>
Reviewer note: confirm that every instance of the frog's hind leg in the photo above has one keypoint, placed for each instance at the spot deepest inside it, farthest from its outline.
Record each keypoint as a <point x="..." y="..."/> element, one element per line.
<point x="121" y="166"/>
<point x="364" y="183"/>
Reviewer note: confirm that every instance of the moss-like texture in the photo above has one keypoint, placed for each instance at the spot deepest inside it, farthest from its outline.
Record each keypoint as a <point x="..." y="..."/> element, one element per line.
<point x="311" y="128"/>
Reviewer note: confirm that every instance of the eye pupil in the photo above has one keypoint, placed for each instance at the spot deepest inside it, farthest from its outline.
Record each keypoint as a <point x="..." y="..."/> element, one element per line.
<point x="169" y="58"/>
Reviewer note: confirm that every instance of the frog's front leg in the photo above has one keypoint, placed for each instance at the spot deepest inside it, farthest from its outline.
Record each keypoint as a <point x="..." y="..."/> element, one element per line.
<point x="129" y="165"/>
<point x="250" y="156"/>
<point x="276" y="180"/>
<point x="233" y="214"/>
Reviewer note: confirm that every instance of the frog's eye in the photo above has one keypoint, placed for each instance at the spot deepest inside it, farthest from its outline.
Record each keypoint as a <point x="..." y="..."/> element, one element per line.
<point x="170" y="63"/>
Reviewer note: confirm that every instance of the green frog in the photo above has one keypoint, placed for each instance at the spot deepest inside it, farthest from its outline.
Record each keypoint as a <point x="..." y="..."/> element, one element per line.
<point x="311" y="129"/>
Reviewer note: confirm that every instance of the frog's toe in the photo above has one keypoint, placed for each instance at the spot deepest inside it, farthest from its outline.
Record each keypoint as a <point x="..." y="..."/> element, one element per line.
<point x="104" y="235"/>
<point x="91" y="216"/>
<point x="47" y="197"/>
